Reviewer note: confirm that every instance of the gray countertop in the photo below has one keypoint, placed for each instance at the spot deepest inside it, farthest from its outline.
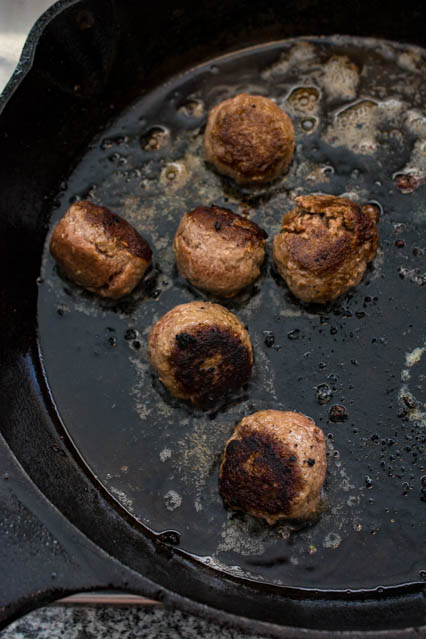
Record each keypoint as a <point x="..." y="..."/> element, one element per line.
<point x="100" y="622"/>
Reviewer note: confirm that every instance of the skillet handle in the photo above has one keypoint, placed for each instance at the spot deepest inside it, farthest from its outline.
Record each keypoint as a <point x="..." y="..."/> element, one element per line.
<point x="42" y="556"/>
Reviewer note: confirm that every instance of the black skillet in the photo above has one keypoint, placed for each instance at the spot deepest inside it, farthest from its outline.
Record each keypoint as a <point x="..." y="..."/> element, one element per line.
<point x="93" y="498"/>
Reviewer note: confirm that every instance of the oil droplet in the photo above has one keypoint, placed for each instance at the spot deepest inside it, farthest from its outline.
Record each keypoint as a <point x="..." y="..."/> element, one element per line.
<point x="192" y="109"/>
<point x="304" y="98"/>
<point x="108" y="143"/>
<point x="118" y="158"/>
<point x="294" y="334"/>
<point x="309" y="125"/>
<point x="174" y="174"/>
<point x="269" y="339"/>
<point x="155" y="139"/>
<point x="169" y="537"/>
<point x="323" y="394"/>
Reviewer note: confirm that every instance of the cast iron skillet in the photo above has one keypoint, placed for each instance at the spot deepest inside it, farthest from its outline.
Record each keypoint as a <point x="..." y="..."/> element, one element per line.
<point x="61" y="531"/>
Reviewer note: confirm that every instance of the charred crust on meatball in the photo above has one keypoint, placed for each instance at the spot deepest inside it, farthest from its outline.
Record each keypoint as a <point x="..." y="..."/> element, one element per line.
<point x="228" y="224"/>
<point x="99" y="250"/>
<point x="341" y="225"/>
<point x="325" y="245"/>
<point x="117" y="228"/>
<point x="209" y="361"/>
<point x="260" y="473"/>
<point x="200" y="351"/>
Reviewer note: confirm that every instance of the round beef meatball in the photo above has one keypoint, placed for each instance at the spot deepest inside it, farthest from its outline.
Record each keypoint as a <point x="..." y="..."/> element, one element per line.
<point x="219" y="251"/>
<point x="274" y="466"/>
<point x="249" y="138"/>
<point x="325" y="245"/>
<point x="99" y="250"/>
<point x="200" y="351"/>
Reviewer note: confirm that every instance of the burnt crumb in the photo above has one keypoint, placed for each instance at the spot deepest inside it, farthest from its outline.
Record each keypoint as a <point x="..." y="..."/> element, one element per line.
<point x="409" y="401"/>
<point x="269" y="339"/>
<point x="231" y="225"/>
<point x="130" y="334"/>
<point x="184" y="340"/>
<point x="407" y="182"/>
<point x="338" y="413"/>
<point x="210" y="362"/>
<point x="368" y="482"/>
<point x="259" y="474"/>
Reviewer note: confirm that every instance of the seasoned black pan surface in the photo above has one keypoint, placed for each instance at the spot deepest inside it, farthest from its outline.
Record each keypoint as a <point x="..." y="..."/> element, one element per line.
<point x="358" y="110"/>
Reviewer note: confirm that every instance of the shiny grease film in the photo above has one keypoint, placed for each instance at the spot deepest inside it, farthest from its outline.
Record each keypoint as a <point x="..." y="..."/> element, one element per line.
<point x="355" y="366"/>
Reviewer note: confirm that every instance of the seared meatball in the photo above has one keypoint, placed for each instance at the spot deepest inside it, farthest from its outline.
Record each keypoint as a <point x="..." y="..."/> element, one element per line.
<point x="274" y="466"/>
<point x="200" y="351"/>
<point x="325" y="245"/>
<point x="218" y="250"/>
<point x="99" y="250"/>
<point x="249" y="138"/>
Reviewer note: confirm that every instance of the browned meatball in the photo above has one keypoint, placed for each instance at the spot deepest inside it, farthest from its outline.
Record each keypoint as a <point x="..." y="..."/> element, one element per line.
<point x="200" y="351"/>
<point x="218" y="250"/>
<point x="274" y="466"/>
<point x="249" y="138"/>
<point x="325" y="245"/>
<point x="99" y="250"/>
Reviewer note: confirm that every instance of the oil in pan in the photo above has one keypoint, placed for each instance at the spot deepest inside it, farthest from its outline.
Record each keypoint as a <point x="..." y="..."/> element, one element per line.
<point x="355" y="366"/>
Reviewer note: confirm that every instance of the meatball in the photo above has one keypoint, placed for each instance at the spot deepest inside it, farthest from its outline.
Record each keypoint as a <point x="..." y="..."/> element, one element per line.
<point x="219" y="251"/>
<point x="274" y="466"/>
<point x="200" y="351"/>
<point x="249" y="138"/>
<point x="324" y="246"/>
<point x="99" y="250"/>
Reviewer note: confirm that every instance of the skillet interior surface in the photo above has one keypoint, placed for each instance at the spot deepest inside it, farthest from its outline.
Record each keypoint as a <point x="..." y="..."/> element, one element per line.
<point x="358" y="108"/>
